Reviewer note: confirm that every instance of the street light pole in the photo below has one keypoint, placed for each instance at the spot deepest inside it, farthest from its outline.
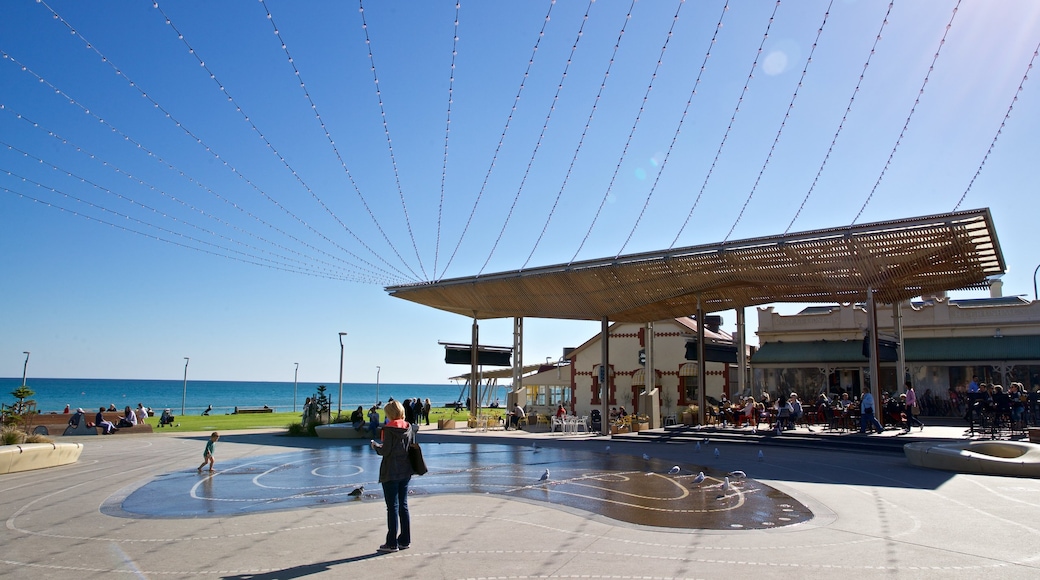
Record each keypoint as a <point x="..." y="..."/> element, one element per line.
<point x="378" y="400"/>
<point x="25" y="367"/>
<point x="184" y="393"/>
<point x="296" y="376"/>
<point x="1034" y="283"/>
<point x="339" y="403"/>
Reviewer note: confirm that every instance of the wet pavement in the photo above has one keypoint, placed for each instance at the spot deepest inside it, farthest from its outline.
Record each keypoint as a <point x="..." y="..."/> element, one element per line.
<point x="621" y="487"/>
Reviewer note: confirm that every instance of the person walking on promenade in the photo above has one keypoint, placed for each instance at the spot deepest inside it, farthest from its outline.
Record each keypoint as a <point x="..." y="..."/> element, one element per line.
<point x="866" y="409"/>
<point x="207" y="455"/>
<point x="912" y="408"/>
<point x="395" y="471"/>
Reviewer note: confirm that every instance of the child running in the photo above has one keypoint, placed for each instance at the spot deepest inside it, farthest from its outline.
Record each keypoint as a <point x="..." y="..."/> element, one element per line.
<point x="207" y="455"/>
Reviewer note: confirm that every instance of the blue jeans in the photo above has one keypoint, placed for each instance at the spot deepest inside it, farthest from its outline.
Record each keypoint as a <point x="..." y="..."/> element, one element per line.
<point x="867" y="418"/>
<point x="396" y="495"/>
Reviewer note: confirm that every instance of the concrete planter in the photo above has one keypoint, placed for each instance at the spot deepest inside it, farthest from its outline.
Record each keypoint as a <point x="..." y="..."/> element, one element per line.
<point x="445" y="423"/>
<point x="14" y="458"/>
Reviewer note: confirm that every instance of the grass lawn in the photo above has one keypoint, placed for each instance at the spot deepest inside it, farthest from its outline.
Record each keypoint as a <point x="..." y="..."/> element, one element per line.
<point x="280" y="420"/>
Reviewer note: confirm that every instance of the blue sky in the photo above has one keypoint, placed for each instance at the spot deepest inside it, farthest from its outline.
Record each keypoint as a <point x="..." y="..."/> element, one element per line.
<point x="208" y="201"/>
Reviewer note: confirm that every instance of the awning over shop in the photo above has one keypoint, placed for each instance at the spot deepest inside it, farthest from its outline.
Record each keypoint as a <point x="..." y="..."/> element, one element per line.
<point x="950" y="349"/>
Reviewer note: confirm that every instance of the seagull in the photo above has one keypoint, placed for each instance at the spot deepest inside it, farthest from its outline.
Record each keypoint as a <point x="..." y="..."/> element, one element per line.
<point x="761" y="456"/>
<point x="357" y="491"/>
<point x="545" y="476"/>
<point x="716" y="453"/>
<point x="673" y="470"/>
<point x="646" y="457"/>
<point x="699" y="478"/>
<point x="737" y="474"/>
<point x="725" y="484"/>
<point x="697" y="448"/>
<point x="607" y="449"/>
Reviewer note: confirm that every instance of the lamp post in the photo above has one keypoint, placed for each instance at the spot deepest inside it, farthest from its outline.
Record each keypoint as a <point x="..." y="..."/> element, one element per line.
<point x="339" y="403"/>
<point x="25" y="367"/>
<point x="1034" y="283"/>
<point x="378" y="400"/>
<point x="184" y="393"/>
<point x="296" y="376"/>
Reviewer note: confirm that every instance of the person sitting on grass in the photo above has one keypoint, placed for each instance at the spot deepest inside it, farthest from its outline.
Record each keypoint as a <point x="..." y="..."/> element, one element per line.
<point x="166" y="418"/>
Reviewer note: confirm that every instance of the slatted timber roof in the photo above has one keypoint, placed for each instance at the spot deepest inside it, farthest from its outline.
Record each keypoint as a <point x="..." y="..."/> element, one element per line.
<point x="899" y="259"/>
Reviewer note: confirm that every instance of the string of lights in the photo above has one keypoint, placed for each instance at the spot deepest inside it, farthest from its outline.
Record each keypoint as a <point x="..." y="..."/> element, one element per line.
<point x="389" y="141"/>
<point x="156" y="190"/>
<point x="1003" y="123"/>
<point x="332" y="143"/>
<point x="639" y="116"/>
<point x="541" y="135"/>
<point x="447" y="132"/>
<point x="581" y="141"/>
<point x="844" y="118"/>
<point x="732" y="120"/>
<point x="223" y="88"/>
<point x="179" y="244"/>
<point x="156" y="212"/>
<point x="906" y="124"/>
<point x="501" y="138"/>
<point x="200" y="141"/>
<point x="127" y="138"/>
<point x="161" y="229"/>
<point x="783" y="123"/>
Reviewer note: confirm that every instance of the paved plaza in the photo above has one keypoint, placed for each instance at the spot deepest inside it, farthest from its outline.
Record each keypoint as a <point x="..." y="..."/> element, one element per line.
<point x="281" y="507"/>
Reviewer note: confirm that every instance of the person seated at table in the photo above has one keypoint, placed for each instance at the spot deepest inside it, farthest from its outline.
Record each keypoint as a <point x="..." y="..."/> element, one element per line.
<point x="613" y="414"/>
<point x="622" y="413"/>
<point x="106" y="426"/>
<point x="129" y="418"/>
<point x="166" y="418"/>
<point x="748" y="411"/>
<point x="845" y="402"/>
<point x="783" y="415"/>
<point x="515" y="415"/>
<point x="560" y="411"/>
<point x="796" y="410"/>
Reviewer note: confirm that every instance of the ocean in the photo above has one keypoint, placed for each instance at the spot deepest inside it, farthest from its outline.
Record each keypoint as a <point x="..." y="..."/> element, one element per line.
<point x="53" y="394"/>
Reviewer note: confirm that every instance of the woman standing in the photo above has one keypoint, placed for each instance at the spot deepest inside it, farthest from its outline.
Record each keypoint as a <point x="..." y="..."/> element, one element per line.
<point x="395" y="471"/>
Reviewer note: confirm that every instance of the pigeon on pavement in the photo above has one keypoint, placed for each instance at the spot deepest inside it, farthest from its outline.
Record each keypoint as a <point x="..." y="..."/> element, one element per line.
<point x="673" y="470"/>
<point x="357" y="491"/>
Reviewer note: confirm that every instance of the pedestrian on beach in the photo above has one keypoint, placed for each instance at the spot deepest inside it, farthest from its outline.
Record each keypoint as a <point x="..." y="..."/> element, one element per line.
<point x="207" y="455"/>
<point x="395" y="471"/>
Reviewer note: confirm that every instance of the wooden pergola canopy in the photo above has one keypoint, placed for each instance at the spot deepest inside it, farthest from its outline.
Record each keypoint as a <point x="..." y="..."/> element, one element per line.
<point x="899" y="259"/>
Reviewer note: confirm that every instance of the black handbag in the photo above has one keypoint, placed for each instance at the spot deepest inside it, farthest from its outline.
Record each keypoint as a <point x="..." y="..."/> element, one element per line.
<point x="415" y="458"/>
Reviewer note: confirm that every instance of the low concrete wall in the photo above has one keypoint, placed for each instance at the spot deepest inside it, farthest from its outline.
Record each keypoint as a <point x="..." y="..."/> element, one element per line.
<point x="14" y="458"/>
<point x="342" y="431"/>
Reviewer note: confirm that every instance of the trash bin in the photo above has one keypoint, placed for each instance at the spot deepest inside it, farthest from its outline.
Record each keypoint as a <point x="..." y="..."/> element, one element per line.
<point x="596" y="421"/>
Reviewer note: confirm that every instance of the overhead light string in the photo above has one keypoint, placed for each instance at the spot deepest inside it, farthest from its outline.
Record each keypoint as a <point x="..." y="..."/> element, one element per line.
<point x="732" y="120"/>
<point x="447" y="132"/>
<point x="501" y="138"/>
<point x="581" y="141"/>
<point x="844" y="118"/>
<point x="270" y="146"/>
<point x="255" y="260"/>
<point x="389" y="141"/>
<point x="73" y="102"/>
<point x="783" y="123"/>
<point x="541" y="135"/>
<point x="164" y="194"/>
<point x="1003" y="123"/>
<point x="913" y="109"/>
